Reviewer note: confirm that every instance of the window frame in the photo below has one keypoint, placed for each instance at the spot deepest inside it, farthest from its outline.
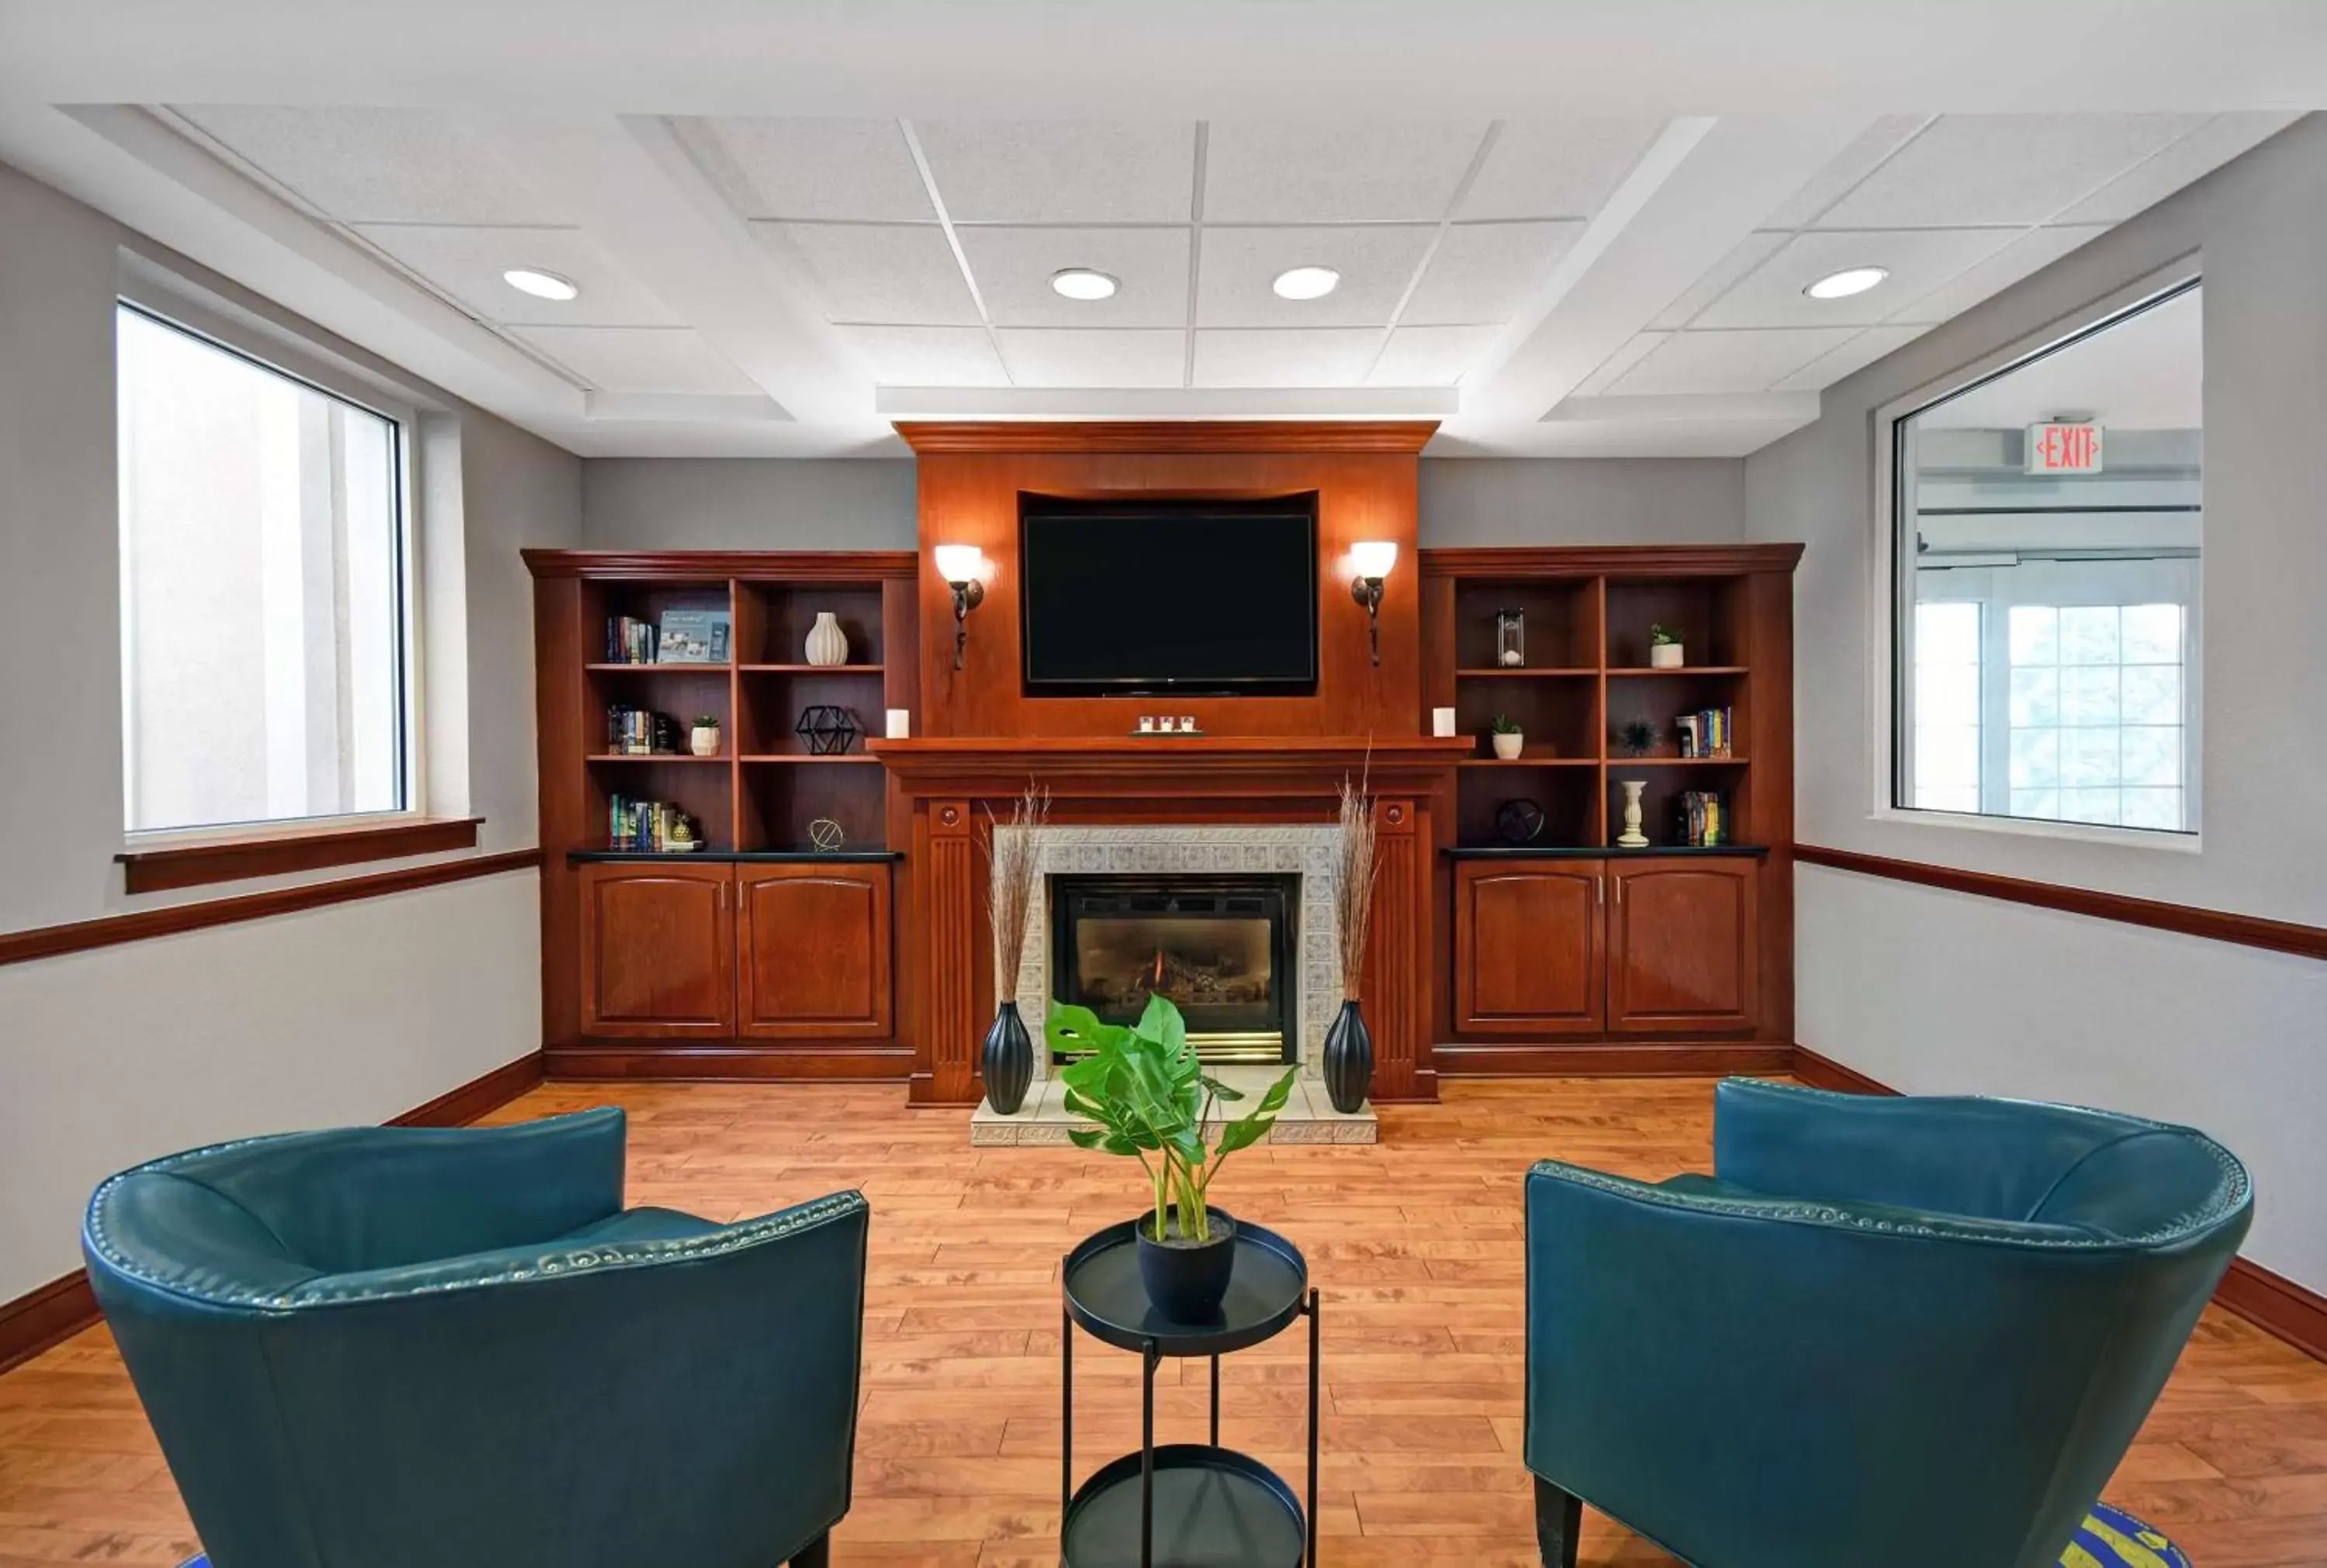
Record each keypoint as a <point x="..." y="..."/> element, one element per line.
<point x="156" y="859"/>
<point x="1891" y="597"/>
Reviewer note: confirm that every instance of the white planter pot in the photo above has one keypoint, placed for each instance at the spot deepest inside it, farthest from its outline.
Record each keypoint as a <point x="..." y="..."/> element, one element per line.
<point x="703" y="740"/>
<point x="1507" y="747"/>
<point x="1665" y="656"/>
<point x="826" y="643"/>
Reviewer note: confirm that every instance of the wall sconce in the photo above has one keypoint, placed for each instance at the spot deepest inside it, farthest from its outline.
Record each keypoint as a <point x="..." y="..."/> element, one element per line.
<point x="1373" y="558"/>
<point x="963" y="567"/>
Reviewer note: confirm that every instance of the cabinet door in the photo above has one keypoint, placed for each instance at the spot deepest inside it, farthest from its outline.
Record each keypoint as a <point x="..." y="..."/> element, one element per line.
<point x="815" y="945"/>
<point x="657" y="950"/>
<point x="1683" y="954"/>
<point x="1528" y="946"/>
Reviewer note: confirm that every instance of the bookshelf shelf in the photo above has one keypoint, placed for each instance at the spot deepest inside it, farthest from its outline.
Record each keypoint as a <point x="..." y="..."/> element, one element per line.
<point x="1523" y="673"/>
<point x="672" y="666"/>
<point x="1633" y="672"/>
<point x="821" y="669"/>
<point x="687" y="757"/>
<point x="1526" y="761"/>
<point x="1677" y="761"/>
<point x="803" y="757"/>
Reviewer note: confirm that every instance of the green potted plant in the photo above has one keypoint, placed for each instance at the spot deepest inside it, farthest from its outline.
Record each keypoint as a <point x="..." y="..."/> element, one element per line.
<point x="703" y="739"/>
<point x="1508" y="737"/>
<point x="1153" y="1102"/>
<point x="1664" y="647"/>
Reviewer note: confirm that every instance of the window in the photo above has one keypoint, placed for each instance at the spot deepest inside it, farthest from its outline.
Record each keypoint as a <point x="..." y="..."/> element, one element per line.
<point x="2050" y="518"/>
<point x="263" y="630"/>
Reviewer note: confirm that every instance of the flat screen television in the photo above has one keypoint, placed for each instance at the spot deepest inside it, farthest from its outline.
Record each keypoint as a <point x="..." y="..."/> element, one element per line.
<point x="1184" y="597"/>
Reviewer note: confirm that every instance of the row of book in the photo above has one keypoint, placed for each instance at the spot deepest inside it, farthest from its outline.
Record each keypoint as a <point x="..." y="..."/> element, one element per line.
<point x="1703" y="818"/>
<point x="682" y="636"/>
<point x="641" y="732"/>
<point x="656" y="827"/>
<point x="1704" y="733"/>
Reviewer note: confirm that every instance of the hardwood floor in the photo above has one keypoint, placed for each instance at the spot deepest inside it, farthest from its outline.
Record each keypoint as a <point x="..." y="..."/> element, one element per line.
<point x="1415" y="1243"/>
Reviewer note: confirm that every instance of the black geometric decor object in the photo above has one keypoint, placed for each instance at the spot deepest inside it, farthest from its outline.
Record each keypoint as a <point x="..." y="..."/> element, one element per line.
<point x="828" y="731"/>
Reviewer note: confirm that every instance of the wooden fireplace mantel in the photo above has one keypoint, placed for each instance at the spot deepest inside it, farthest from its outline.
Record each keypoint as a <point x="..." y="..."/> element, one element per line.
<point x="945" y="790"/>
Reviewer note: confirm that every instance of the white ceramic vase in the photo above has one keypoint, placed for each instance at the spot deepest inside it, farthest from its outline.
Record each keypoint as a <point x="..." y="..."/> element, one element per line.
<point x="1665" y="656"/>
<point x="1507" y="747"/>
<point x="1632" y="838"/>
<point x="826" y="643"/>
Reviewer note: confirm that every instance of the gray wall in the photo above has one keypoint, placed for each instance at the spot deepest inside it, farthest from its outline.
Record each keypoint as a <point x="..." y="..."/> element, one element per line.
<point x="349" y="1013"/>
<point x="773" y="504"/>
<point x="1929" y="991"/>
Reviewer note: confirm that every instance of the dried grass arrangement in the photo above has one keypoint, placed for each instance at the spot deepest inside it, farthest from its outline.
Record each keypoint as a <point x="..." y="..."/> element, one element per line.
<point x="1017" y="860"/>
<point x="1353" y="889"/>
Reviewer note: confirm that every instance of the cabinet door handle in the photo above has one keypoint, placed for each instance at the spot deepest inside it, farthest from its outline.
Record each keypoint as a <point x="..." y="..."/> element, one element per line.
<point x="1599" y="890"/>
<point x="1619" y="890"/>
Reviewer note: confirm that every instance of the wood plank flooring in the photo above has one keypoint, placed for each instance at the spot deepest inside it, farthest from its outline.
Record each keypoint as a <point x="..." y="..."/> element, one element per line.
<point x="1415" y="1243"/>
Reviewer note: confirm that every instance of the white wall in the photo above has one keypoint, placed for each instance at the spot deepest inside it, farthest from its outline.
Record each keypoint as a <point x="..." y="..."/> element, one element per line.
<point x="354" y="1012"/>
<point x="1931" y="992"/>
<point x="773" y="504"/>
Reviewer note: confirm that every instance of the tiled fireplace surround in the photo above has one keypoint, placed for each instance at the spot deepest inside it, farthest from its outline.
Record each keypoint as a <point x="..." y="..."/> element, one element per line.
<point x="1303" y="850"/>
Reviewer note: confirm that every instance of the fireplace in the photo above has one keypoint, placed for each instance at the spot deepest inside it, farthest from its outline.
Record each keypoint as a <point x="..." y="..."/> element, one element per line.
<point x="1218" y="947"/>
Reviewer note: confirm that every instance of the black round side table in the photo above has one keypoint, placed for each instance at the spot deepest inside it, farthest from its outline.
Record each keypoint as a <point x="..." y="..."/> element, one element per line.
<point x="1193" y="1505"/>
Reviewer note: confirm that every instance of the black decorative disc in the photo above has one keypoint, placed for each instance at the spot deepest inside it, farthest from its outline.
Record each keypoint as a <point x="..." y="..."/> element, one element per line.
<point x="1520" y="821"/>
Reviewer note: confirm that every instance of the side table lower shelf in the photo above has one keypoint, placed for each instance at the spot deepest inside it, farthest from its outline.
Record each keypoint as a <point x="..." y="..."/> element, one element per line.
<point x="1210" y="1506"/>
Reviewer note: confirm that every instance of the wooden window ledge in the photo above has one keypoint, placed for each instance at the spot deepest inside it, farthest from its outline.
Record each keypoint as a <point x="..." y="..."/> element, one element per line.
<point x="196" y="861"/>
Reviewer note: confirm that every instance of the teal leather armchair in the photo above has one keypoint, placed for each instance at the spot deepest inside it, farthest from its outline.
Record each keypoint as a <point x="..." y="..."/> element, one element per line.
<point x="1917" y="1333"/>
<point x="385" y="1348"/>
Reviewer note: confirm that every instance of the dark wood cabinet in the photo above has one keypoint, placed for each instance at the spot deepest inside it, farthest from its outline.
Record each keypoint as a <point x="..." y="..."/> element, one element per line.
<point x="813" y="946"/>
<point x="1682" y="948"/>
<point x="657" y="951"/>
<point x="1530" y="941"/>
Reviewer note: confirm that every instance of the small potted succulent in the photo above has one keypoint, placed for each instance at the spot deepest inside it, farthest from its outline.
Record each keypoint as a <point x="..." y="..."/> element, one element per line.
<point x="1664" y="647"/>
<point x="1508" y="737"/>
<point x="1153" y="1102"/>
<point x="1638" y="736"/>
<point x="703" y="740"/>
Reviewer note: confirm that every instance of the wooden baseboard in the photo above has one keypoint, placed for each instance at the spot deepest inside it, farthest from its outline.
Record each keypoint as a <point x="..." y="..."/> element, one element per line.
<point x="1599" y="1060"/>
<point x="732" y="1063"/>
<point x="2272" y="1303"/>
<point x="41" y="1319"/>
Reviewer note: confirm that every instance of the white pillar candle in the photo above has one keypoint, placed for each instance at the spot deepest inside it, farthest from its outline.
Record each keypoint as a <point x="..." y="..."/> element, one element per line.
<point x="1442" y="721"/>
<point x="900" y="724"/>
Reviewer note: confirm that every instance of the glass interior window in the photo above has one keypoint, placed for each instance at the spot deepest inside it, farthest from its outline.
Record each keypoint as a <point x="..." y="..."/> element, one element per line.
<point x="263" y="624"/>
<point x="2049" y="523"/>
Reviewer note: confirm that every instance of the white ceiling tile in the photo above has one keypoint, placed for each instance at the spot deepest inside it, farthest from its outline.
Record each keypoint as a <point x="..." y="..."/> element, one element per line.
<point x="1431" y="356"/>
<point x="902" y="275"/>
<point x="1636" y="349"/>
<point x="1013" y="268"/>
<point x="363" y="165"/>
<point x="927" y="356"/>
<point x="1335" y="172"/>
<point x="2037" y="248"/>
<point x="1849" y="357"/>
<point x="1848" y="167"/>
<point x="2002" y="169"/>
<point x="1062" y="171"/>
<point x="639" y="358"/>
<point x="1484" y="272"/>
<point x="1237" y="267"/>
<point x="1919" y="260"/>
<point x="1750" y="361"/>
<point x="1557" y="168"/>
<point x="1318" y="356"/>
<point x="2201" y="152"/>
<point x="1748" y="254"/>
<point x="467" y="264"/>
<point x="844" y="170"/>
<point x="1098" y="356"/>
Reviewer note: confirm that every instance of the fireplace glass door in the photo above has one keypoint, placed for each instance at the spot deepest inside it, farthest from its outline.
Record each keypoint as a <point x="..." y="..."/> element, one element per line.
<point x="1218" y="949"/>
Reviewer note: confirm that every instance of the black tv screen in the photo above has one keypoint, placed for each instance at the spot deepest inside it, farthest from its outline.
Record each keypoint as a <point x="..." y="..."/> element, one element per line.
<point x="1185" y="597"/>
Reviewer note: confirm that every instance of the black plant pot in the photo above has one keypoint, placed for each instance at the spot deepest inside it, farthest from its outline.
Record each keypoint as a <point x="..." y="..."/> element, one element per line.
<point x="1349" y="1060"/>
<point x="1009" y="1060"/>
<point x="1186" y="1280"/>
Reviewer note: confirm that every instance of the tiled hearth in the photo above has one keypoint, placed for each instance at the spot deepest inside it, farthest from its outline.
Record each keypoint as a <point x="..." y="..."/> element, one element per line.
<point x="1303" y="850"/>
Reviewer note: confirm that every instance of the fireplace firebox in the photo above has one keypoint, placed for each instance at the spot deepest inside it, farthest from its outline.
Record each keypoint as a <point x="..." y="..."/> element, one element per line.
<point x="1218" y="947"/>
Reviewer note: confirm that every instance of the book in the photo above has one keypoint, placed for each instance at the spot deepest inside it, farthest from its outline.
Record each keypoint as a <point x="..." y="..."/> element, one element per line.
<point x="1703" y="818"/>
<point x="630" y="640"/>
<point x="1705" y="733"/>
<point x="691" y="637"/>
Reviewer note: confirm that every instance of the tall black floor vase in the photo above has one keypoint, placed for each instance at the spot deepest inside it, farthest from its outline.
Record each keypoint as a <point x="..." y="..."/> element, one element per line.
<point x="1009" y="1060"/>
<point x="1349" y="1058"/>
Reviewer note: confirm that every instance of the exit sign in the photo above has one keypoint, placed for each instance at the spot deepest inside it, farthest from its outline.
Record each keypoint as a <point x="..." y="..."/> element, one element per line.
<point x="2059" y="448"/>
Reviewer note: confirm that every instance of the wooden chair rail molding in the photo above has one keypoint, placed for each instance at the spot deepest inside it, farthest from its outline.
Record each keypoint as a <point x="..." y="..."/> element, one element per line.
<point x="63" y="1307"/>
<point x="2271" y="1301"/>
<point x="110" y="930"/>
<point x="197" y="862"/>
<point x="2187" y="919"/>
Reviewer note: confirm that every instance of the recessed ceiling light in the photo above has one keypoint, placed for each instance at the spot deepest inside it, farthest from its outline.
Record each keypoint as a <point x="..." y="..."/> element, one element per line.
<point x="545" y="286"/>
<point x="1841" y="285"/>
<point x="1307" y="283"/>
<point x="1084" y="283"/>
